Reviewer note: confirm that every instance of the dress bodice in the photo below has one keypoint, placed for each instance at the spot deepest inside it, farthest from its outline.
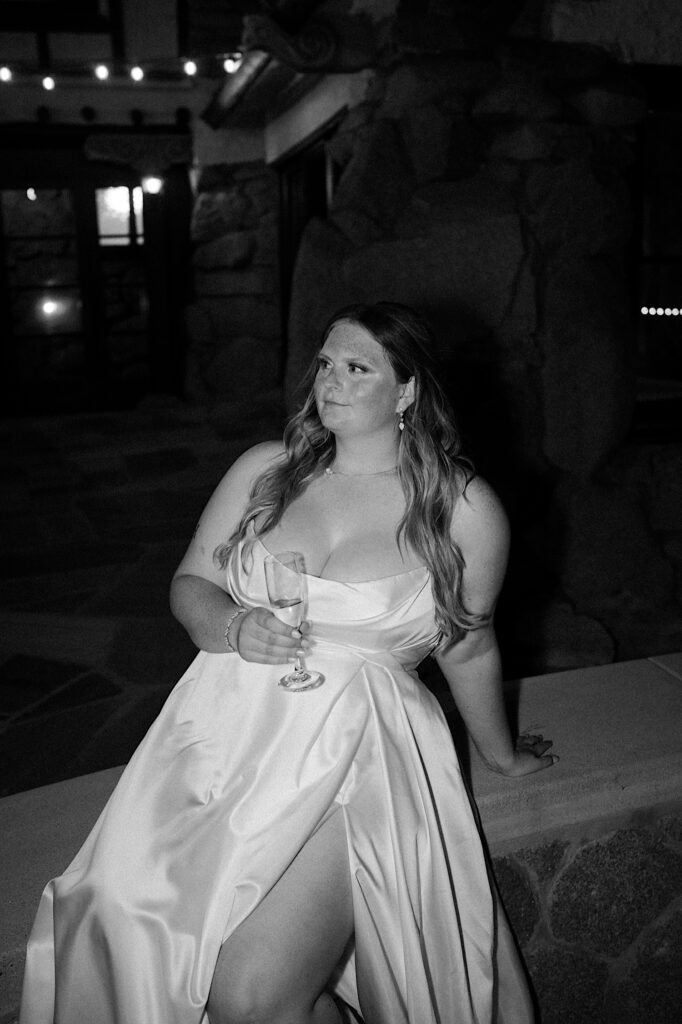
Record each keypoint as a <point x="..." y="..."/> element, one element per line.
<point x="391" y="618"/>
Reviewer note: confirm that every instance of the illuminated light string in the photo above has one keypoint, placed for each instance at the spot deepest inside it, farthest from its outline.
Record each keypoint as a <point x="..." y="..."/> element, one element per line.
<point x="660" y="311"/>
<point x="188" y="67"/>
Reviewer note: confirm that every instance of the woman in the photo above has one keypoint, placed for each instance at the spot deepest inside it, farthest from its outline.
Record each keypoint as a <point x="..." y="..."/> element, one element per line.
<point x="278" y="857"/>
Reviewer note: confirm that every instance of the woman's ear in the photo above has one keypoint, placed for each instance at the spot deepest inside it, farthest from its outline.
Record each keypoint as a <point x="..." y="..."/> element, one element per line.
<point x="406" y="396"/>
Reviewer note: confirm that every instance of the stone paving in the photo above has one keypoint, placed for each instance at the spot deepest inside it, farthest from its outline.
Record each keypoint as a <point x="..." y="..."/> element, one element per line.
<point x="95" y="515"/>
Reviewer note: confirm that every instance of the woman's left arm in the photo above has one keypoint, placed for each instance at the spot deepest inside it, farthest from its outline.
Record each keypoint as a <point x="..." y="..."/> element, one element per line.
<point x="472" y="666"/>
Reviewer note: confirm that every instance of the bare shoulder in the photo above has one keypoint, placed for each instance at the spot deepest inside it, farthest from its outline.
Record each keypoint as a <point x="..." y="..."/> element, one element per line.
<point x="479" y="517"/>
<point x="224" y="510"/>
<point x="257" y="459"/>
<point x="481" y="531"/>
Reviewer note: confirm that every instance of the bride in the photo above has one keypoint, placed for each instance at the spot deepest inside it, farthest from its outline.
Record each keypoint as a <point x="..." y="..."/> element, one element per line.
<point x="308" y="858"/>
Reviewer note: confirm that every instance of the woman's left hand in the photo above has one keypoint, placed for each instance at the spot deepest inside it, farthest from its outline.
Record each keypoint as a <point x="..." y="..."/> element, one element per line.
<point x="529" y="756"/>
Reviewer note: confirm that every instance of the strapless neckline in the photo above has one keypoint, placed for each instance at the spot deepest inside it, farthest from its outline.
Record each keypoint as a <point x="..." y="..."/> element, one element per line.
<point x="353" y="583"/>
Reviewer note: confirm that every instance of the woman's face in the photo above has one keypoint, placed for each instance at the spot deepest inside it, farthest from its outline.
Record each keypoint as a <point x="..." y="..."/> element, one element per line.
<point x="356" y="388"/>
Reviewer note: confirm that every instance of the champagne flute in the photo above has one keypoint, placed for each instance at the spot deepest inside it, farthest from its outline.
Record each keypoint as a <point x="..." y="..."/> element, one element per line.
<point x="286" y="589"/>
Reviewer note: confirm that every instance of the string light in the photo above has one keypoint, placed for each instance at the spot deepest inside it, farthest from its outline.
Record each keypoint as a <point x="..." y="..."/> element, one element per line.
<point x="660" y="311"/>
<point x="232" y="62"/>
<point x="185" y="67"/>
<point x="31" y="194"/>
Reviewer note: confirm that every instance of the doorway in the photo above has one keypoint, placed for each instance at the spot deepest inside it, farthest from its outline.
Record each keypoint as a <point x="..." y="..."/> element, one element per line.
<point x="94" y="275"/>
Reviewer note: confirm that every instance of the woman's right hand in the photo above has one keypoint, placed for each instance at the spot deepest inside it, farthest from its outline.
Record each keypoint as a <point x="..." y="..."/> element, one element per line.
<point x="261" y="637"/>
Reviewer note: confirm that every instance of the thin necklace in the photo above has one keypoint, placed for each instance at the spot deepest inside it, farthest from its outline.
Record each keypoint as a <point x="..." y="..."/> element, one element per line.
<point x="382" y="472"/>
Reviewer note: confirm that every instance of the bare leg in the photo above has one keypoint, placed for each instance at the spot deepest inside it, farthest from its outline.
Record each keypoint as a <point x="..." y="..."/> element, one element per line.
<point x="275" y="966"/>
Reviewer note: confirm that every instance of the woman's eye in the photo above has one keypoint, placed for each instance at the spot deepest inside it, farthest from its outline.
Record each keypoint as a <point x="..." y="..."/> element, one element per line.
<point x="322" y="366"/>
<point x="355" y="367"/>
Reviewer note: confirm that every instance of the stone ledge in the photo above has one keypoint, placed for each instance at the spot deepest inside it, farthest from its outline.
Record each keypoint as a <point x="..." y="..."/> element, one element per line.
<point x="617" y="729"/>
<point x="618" y="732"/>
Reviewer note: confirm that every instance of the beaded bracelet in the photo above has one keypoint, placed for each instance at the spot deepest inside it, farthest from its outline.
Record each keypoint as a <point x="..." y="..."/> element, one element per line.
<point x="226" y="634"/>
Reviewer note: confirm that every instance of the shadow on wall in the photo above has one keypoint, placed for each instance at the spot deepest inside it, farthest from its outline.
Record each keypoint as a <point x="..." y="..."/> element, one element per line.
<point x="517" y="258"/>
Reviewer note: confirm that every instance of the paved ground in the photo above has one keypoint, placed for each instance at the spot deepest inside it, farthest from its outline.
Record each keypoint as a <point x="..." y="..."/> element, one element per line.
<point x="95" y="515"/>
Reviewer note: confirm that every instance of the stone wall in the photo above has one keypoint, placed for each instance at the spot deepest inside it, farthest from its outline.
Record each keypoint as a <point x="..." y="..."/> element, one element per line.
<point x="234" y="324"/>
<point x="600" y="923"/>
<point x="492" y="193"/>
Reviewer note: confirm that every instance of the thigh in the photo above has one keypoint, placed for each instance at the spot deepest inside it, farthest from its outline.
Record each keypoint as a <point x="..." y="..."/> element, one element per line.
<point x="286" y="951"/>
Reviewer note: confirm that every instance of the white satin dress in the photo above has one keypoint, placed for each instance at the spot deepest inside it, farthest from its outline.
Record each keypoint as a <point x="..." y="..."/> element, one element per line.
<point x="232" y="778"/>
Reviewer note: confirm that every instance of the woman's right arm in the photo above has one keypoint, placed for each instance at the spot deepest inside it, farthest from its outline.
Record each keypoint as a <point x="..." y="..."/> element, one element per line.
<point x="199" y="598"/>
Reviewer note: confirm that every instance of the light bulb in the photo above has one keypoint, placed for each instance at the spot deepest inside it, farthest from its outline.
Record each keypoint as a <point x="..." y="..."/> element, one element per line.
<point x="190" y="67"/>
<point x="152" y="185"/>
<point x="49" y="83"/>
<point x="5" y="74"/>
<point x="136" y="73"/>
<point x="102" y="72"/>
<point x="232" y="62"/>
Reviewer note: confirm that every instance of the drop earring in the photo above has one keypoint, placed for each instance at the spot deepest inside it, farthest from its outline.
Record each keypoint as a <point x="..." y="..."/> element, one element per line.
<point x="401" y="421"/>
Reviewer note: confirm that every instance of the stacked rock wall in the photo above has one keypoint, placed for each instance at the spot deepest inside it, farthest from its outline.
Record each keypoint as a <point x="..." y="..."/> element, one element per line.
<point x="493" y="194"/>
<point x="234" y="323"/>
<point x="599" y="921"/>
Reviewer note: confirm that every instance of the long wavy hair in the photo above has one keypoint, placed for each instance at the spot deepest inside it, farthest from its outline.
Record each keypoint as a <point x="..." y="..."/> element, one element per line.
<point x="432" y="469"/>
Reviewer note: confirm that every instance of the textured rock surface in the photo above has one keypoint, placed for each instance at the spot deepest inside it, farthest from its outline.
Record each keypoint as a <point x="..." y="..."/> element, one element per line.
<point x="613" y="889"/>
<point x="569" y="985"/>
<point x="652" y="991"/>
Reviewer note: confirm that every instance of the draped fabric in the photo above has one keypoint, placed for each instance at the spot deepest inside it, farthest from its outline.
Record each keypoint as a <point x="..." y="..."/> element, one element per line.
<point x="231" y="780"/>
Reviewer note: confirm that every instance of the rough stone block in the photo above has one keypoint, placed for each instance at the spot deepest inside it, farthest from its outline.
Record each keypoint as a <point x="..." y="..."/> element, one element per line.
<point x="374" y="186"/>
<point x="518" y="897"/>
<point x="652" y="990"/>
<point x="604" y="106"/>
<point x="217" y="213"/>
<point x="518" y="94"/>
<point x="528" y="142"/>
<point x="569" y="985"/>
<point x="627" y="31"/>
<point x="427" y="134"/>
<point x="470" y="265"/>
<point x="570" y="211"/>
<point x="608" y="555"/>
<point x="614" y="888"/>
<point x="233" y="250"/>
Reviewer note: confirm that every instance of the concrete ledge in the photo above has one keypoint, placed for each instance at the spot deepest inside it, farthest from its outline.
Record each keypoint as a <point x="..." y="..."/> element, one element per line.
<point x="617" y="729"/>
<point x="618" y="732"/>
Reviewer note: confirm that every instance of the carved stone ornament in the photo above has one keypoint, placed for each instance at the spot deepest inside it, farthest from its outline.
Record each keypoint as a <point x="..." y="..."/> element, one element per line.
<point x="313" y="48"/>
<point x="148" y="154"/>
